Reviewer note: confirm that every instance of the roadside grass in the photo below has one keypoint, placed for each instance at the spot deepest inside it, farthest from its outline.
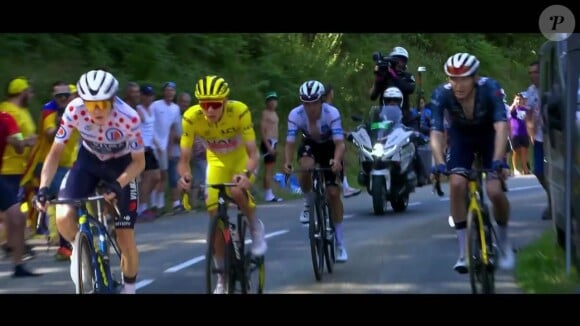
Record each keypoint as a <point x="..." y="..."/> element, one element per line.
<point x="541" y="268"/>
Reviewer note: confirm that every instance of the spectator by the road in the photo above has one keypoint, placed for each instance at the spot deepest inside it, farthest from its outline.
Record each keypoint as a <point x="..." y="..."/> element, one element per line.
<point x="519" y="137"/>
<point x="269" y="135"/>
<point x="167" y="114"/>
<point x="14" y="161"/>
<point x="132" y="94"/>
<point x="183" y="103"/>
<point x="534" y="122"/>
<point x="151" y="175"/>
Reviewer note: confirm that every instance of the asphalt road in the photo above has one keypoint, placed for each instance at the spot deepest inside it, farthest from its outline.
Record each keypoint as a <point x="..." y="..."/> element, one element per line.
<point x="410" y="252"/>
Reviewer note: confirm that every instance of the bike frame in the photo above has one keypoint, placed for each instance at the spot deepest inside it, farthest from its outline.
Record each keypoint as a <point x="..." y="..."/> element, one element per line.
<point x="92" y="227"/>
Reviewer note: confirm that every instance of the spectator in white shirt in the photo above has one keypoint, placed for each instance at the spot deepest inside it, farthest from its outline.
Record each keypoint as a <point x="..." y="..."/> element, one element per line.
<point x="167" y="115"/>
<point x="152" y="175"/>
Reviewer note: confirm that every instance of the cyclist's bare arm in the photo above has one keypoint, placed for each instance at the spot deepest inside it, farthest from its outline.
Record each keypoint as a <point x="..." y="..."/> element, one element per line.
<point x="252" y="150"/>
<point x="289" y="149"/>
<point x="135" y="168"/>
<point x="339" y="148"/>
<point x="501" y="134"/>
<point x="437" y="140"/>
<point x="183" y="167"/>
<point x="50" y="164"/>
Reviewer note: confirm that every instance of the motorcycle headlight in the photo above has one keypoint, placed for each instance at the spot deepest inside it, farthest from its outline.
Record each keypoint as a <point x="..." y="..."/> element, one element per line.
<point x="378" y="150"/>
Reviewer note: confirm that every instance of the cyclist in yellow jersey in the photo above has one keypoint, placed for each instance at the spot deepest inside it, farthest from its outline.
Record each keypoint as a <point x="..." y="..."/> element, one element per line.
<point x="232" y="155"/>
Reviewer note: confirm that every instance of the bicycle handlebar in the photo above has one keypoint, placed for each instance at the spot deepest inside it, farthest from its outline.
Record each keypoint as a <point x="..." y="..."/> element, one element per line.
<point x="81" y="201"/>
<point x="470" y="175"/>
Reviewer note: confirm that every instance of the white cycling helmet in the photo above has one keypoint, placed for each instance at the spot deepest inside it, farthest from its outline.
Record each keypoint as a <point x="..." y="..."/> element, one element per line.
<point x="461" y="65"/>
<point x="393" y="93"/>
<point x="311" y="91"/>
<point x="97" y="85"/>
<point x="399" y="51"/>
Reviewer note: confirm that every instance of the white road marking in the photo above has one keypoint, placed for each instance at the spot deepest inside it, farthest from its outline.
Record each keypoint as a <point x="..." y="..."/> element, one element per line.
<point x="414" y="203"/>
<point x="143" y="283"/>
<point x="197" y="259"/>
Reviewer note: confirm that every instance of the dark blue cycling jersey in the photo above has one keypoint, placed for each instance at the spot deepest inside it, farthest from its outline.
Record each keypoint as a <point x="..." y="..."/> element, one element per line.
<point x="469" y="136"/>
<point x="488" y="108"/>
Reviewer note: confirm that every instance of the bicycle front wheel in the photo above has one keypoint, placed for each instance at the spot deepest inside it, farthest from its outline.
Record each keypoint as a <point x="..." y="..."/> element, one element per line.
<point x="329" y="238"/>
<point x="85" y="270"/>
<point x="481" y="271"/>
<point x="316" y="233"/>
<point x="214" y="272"/>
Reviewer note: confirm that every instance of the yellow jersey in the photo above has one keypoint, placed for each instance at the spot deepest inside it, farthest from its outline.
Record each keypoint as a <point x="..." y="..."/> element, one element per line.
<point x="13" y="163"/>
<point x="224" y="139"/>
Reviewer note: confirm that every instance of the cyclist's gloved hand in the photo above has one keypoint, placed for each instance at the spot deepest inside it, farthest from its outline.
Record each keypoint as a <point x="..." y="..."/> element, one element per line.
<point x="115" y="188"/>
<point x="499" y="165"/>
<point x="439" y="169"/>
<point x="42" y="195"/>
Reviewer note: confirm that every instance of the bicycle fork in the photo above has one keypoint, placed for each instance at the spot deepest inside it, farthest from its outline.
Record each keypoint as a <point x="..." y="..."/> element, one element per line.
<point x="99" y="258"/>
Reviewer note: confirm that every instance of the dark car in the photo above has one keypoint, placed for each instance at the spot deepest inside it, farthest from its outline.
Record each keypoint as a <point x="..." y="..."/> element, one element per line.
<point x="560" y="98"/>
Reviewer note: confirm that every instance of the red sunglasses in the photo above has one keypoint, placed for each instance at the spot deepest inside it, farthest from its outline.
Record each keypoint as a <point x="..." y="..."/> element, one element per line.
<point x="213" y="104"/>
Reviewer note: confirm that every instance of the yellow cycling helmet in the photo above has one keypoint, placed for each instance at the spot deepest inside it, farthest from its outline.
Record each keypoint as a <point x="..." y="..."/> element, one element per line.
<point x="211" y="88"/>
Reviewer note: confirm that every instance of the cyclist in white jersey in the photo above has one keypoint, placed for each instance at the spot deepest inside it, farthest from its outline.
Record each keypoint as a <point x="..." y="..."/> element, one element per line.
<point x="323" y="143"/>
<point x="112" y="151"/>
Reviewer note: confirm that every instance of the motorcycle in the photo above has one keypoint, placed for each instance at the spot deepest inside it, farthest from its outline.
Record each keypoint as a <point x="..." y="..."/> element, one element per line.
<point x="386" y="153"/>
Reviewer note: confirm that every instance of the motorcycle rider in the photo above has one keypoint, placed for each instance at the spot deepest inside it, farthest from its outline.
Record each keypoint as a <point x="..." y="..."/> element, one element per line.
<point x="394" y="74"/>
<point x="394" y="96"/>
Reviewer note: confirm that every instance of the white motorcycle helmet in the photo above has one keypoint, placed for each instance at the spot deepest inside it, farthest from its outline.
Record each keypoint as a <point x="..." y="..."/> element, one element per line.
<point x="393" y="94"/>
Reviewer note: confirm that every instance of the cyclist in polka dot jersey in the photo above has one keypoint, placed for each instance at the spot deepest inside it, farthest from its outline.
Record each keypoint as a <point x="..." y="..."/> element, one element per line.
<point x="112" y="151"/>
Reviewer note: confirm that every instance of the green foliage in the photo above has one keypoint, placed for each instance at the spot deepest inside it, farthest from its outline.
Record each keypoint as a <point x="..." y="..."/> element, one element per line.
<point x="256" y="63"/>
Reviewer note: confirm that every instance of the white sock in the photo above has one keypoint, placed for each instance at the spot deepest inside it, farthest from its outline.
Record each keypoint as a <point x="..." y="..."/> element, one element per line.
<point x="339" y="234"/>
<point x="176" y="203"/>
<point x="502" y="234"/>
<point x="142" y="208"/>
<point x="461" y="242"/>
<point x="129" y="288"/>
<point x="161" y="200"/>
<point x="153" y="198"/>
<point x="268" y="194"/>
<point x="345" y="183"/>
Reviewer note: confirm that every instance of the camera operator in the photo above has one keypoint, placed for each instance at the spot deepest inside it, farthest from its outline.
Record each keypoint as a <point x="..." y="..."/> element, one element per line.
<point x="391" y="71"/>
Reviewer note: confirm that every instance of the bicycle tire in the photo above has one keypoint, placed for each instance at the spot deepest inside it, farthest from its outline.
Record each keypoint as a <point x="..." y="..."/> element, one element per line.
<point x="479" y="273"/>
<point x="329" y="238"/>
<point x="217" y="225"/>
<point x="84" y="254"/>
<point x="315" y="233"/>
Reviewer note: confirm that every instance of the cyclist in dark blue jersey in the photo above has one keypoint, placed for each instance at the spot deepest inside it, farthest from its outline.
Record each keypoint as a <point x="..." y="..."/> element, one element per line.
<point x="477" y="124"/>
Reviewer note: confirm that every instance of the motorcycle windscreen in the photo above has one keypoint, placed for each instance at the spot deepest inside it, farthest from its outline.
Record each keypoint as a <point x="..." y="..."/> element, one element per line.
<point x="390" y="116"/>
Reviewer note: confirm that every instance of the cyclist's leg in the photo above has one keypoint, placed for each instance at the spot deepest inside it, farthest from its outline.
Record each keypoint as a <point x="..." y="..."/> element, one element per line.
<point x="64" y="249"/>
<point x="324" y="155"/>
<point x="247" y="205"/>
<point x="306" y="161"/>
<point x="460" y="159"/>
<point x="499" y="201"/>
<point x="216" y="173"/>
<point x="125" y="224"/>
